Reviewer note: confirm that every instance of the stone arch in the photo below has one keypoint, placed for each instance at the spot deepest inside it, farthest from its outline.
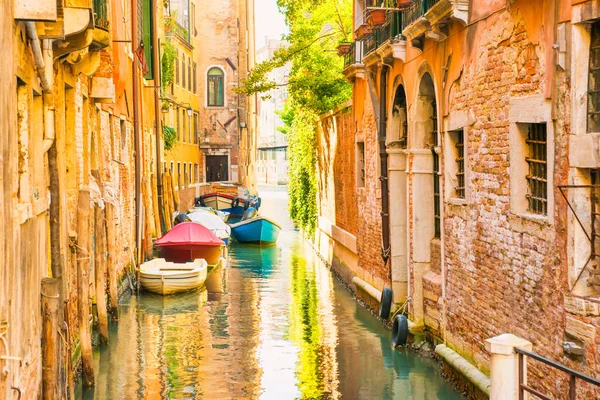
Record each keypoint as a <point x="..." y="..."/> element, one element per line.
<point x="397" y="178"/>
<point x="425" y="116"/>
<point x="398" y="125"/>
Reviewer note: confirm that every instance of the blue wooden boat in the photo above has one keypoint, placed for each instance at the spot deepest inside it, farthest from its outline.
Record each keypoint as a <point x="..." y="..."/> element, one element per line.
<point x="258" y="230"/>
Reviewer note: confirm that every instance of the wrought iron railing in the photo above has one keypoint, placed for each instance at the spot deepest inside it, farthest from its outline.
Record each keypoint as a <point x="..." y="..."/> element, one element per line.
<point x="354" y="56"/>
<point x="416" y="10"/>
<point x="181" y="31"/>
<point x="392" y="29"/>
<point x="101" y="14"/>
<point x="573" y="376"/>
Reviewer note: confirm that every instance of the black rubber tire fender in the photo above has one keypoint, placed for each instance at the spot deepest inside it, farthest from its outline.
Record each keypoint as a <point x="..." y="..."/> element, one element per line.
<point x="385" y="303"/>
<point x="246" y="204"/>
<point x="258" y="202"/>
<point x="202" y="204"/>
<point x="400" y="330"/>
<point x="235" y="202"/>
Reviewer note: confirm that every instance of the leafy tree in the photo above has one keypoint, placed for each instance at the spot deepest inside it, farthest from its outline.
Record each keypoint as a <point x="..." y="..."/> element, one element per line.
<point x="170" y="137"/>
<point x="315" y="86"/>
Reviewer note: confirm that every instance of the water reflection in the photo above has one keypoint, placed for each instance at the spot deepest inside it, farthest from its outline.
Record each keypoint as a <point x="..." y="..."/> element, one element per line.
<point x="273" y="324"/>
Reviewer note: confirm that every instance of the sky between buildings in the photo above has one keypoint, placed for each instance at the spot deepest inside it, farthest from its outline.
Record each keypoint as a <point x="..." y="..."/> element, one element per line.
<point x="268" y="21"/>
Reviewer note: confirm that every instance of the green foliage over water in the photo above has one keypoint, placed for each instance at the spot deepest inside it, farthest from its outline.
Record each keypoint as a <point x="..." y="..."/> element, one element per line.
<point x="315" y="86"/>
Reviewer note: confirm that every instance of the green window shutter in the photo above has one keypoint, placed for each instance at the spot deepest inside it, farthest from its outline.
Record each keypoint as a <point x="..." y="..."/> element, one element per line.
<point x="148" y="33"/>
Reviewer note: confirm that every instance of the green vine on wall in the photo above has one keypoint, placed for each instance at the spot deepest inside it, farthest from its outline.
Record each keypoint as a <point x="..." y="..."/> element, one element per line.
<point x="315" y="86"/>
<point x="168" y="65"/>
<point x="169" y="137"/>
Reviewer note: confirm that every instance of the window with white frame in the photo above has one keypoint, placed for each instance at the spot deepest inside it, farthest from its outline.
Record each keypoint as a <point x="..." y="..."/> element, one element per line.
<point x="215" y="89"/>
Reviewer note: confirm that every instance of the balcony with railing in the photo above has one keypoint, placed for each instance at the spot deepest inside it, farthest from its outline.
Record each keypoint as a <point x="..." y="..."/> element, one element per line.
<point x="353" y="66"/>
<point x="101" y="20"/>
<point x="430" y="18"/>
<point x="101" y="25"/>
<point x="387" y="39"/>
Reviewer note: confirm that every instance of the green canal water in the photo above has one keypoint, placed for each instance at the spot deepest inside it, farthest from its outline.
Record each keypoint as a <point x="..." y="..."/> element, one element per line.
<point x="273" y="324"/>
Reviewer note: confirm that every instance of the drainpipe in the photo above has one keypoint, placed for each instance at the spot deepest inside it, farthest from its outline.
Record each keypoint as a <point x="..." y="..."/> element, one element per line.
<point x="136" y="134"/>
<point x="43" y="64"/>
<point x="157" y="112"/>
<point x="49" y="110"/>
<point x="383" y="156"/>
<point x="37" y="55"/>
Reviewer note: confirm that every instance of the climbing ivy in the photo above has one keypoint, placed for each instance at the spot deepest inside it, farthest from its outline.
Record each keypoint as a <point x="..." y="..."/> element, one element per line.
<point x="170" y="137"/>
<point x="168" y="65"/>
<point x="315" y="86"/>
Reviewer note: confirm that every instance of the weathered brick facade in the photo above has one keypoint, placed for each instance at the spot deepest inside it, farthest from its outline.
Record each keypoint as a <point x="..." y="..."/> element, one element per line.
<point x="488" y="75"/>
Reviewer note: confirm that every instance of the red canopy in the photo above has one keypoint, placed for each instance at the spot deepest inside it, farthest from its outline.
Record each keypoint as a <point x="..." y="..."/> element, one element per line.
<point x="190" y="234"/>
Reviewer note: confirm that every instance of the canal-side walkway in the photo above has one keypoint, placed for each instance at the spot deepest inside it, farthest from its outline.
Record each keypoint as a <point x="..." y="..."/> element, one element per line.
<point x="273" y="324"/>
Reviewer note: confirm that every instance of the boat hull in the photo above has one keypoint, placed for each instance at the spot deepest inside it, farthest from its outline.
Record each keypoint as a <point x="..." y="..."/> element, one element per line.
<point x="185" y="253"/>
<point x="163" y="277"/>
<point x="259" y="230"/>
<point x="223" y="202"/>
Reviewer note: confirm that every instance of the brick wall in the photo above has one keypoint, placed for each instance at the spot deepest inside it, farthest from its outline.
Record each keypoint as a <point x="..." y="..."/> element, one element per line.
<point x="369" y="201"/>
<point x="345" y="174"/>
<point x="502" y="275"/>
<point x="336" y="169"/>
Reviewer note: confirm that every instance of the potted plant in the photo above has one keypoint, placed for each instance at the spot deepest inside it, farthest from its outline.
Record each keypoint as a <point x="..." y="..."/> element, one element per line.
<point x="362" y="31"/>
<point x="343" y="48"/>
<point x="402" y="4"/>
<point x="377" y="16"/>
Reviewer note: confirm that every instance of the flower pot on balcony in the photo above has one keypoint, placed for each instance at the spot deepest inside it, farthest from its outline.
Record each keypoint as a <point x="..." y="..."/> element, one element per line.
<point x="343" y="48"/>
<point x="402" y="4"/>
<point x="377" y="17"/>
<point x="362" y="31"/>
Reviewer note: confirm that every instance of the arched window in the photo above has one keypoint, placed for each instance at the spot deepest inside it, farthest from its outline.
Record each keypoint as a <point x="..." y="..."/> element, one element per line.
<point x="215" y="87"/>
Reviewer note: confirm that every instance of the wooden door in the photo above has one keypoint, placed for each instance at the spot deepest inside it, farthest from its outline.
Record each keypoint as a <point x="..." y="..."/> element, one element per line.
<point x="217" y="168"/>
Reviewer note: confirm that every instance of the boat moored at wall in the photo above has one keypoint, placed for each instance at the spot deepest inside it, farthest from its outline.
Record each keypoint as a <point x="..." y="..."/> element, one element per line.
<point x="164" y="277"/>
<point x="188" y="241"/>
<point x="257" y="230"/>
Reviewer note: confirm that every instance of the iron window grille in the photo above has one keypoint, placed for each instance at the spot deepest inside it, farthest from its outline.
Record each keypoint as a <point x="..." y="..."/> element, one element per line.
<point x="595" y="206"/>
<point x="537" y="183"/>
<point x="593" y="107"/>
<point x="460" y="164"/>
<point x="436" y="178"/>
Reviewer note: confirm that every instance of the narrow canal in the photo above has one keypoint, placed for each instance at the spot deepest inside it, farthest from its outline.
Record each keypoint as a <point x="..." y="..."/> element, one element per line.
<point x="272" y="324"/>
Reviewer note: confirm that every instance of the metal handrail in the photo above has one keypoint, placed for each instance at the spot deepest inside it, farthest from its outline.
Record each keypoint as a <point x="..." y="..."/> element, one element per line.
<point x="390" y="30"/>
<point x="573" y="375"/>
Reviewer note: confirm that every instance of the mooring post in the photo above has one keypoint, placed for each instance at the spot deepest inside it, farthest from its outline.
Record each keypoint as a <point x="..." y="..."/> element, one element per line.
<point x="111" y="260"/>
<point x="504" y="372"/>
<point x="83" y="285"/>
<point x="100" y="270"/>
<point x="50" y="338"/>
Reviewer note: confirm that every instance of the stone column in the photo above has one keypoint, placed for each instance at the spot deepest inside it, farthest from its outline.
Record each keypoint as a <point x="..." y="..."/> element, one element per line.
<point x="423" y="229"/>
<point x="504" y="372"/>
<point x="398" y="218"/>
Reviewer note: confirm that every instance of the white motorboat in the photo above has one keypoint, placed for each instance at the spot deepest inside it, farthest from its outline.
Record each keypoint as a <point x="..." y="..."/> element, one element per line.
<point x="163" y="277"/>
<point x="213" y="223"/>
